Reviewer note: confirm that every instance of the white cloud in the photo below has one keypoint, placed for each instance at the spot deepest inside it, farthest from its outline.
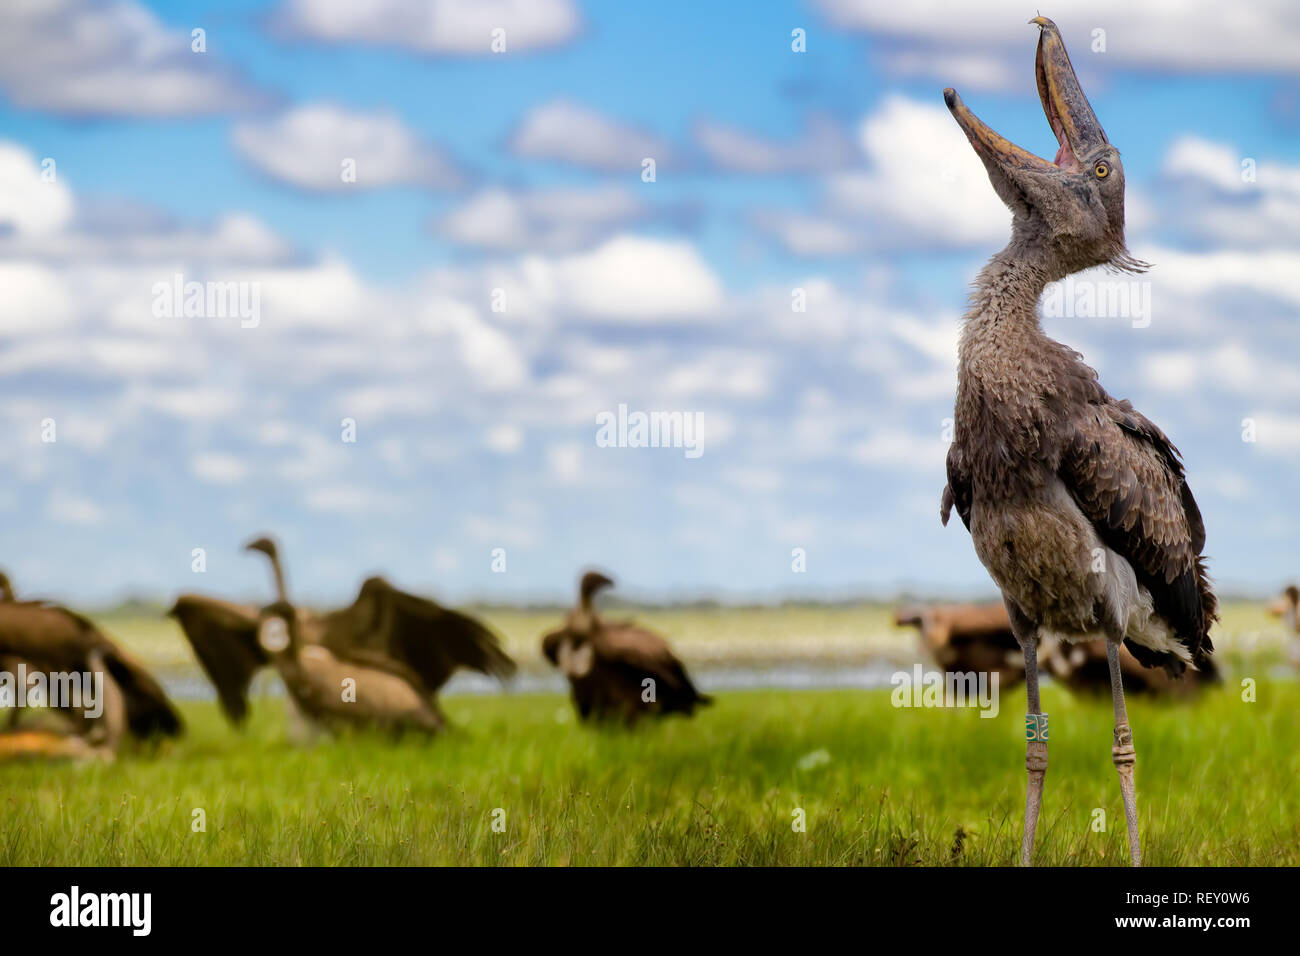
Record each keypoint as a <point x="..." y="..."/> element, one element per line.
<point x="307" y="146"/>
<point x="347" y="500"/>
<point x="66" y="508"/>
<point x="35" y="297"/>
<point x="1203" y="37"/>
<point x="936" y="190"/>
<point x="88" y="57"/>
<point x="634" y="279"/>
<point x="1277" y="435"/>
<point x="218" y="469"/>
<point x="933" y="193"/>
<point x="548" y="220"/>
<point x="1219" y="194"/>
<point x="505" y="438"/>
<point x="897" y="449"/>
<point x="1191" y="275"/>
<point x="29" y="204"/>
<point x="462" y="27"/>
<point x="821" y="145"/>
<point x="810" y="235"/>
<point x="564" y="463"/>
<point x="568" y="132"/>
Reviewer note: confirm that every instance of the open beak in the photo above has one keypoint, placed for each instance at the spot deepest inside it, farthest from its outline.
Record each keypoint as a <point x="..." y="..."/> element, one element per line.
<point x="1068" y="112"/>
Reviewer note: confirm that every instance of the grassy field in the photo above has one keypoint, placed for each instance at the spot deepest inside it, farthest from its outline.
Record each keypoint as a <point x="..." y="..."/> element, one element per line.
<point x="877" y="785"/>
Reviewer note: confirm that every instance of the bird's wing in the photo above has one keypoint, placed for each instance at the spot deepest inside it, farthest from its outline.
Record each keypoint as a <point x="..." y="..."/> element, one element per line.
<point x="379" y="661"/>
<point x="551" y="645"/>
<point x="148" y="710"/>
<point x="637" y="649"/>
<point x="58" y="638"/>
<point x="1128" y="479"/>
<point x="958" y="490"/>
<point x="433" y="640"/>
<point x="224" y="638"/>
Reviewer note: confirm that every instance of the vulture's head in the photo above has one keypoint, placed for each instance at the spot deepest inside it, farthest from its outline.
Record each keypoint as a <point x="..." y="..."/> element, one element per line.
<point x="1068" y="214"/>
<point x="263" y="544"/>
<point x="277" y="629"/>
<point x="570" y="651"/>
<point x="6" y="589"/>
<point x="592" y="582"/>
<point x="1287" y="603"/>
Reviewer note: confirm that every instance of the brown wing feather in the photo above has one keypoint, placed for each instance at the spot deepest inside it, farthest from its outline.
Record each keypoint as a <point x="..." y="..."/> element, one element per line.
<point x="432" y="640"/>
<point x="958" y="490"/>
<point x="1128" y="478"/>
<point x="56" y="638"/>
<point x="148" y="710"/>
<point x="224" y="638"/>
<point x="636" y="649"/>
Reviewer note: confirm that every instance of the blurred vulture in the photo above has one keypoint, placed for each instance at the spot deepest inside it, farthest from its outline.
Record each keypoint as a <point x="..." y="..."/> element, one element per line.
<point x="49" y="639"/>
<point x="977" y="638"/>
<point x="428" y="640"/>
<point x="365" y="689"/>
<point x="617" y="671"/>
<point x="1287" y="607"/>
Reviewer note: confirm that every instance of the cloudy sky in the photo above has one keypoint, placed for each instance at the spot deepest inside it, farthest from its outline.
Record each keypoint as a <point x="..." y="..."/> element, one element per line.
<point x="498" y="272"/>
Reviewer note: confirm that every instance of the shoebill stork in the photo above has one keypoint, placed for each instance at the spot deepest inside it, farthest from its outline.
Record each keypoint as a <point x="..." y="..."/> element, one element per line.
<point x="1076" y="503"/>
<point x="617" y="671"/>
<point x="51" y="639"/>
<point x="412" y="631"/>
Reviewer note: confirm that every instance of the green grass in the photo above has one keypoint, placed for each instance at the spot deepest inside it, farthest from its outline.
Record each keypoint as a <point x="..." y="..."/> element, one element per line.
<point x="1217" y="785"/>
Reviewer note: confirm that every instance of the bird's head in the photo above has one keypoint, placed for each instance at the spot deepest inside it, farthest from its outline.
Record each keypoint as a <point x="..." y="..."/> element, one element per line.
<point x="571" y="651"/>
<point x="277" y="628"/>
<point x="1067" y="213"/>
<point x="1288" y="602"/>
<point x="263" y="544"/>
<point x="6" y="589"/>
<point x="592" y="582"/>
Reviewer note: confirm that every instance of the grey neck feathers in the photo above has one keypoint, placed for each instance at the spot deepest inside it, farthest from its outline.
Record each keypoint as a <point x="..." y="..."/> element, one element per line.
<point x="1006" y="294"/>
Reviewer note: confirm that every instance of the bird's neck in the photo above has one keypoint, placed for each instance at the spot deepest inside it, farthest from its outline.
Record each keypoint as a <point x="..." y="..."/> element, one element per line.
<point x="1004" y="304"/>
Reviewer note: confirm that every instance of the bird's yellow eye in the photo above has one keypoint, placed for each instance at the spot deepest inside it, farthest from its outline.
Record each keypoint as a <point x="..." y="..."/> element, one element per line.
<point x="1102" y="170"/>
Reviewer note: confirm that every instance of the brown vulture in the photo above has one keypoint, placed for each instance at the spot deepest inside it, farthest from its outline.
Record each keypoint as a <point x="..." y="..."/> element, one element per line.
<point x="51" y="639"/>
<point x="618" y="671"/>
<point x="430" y="640"/>
<point x="364" y="689"/>
<point x="977" y="638"/>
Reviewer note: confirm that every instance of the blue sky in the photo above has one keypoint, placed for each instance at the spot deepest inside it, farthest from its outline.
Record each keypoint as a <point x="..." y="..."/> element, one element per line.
<point x="836" y="171"/>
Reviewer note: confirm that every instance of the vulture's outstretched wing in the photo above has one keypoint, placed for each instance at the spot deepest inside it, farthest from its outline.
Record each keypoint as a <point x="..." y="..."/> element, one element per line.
<point x="1128" y="479"/>
<point x="224" y="638"/>
<point x="432" y="640"/>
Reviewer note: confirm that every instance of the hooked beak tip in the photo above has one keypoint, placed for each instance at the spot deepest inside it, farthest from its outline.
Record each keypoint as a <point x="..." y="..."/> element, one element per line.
<point x="1043" y="23"/>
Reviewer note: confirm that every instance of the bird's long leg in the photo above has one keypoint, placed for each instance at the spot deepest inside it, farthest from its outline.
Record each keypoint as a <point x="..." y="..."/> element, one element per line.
<point x="1035" y="731"/>
<point x="1122" y="753"/>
